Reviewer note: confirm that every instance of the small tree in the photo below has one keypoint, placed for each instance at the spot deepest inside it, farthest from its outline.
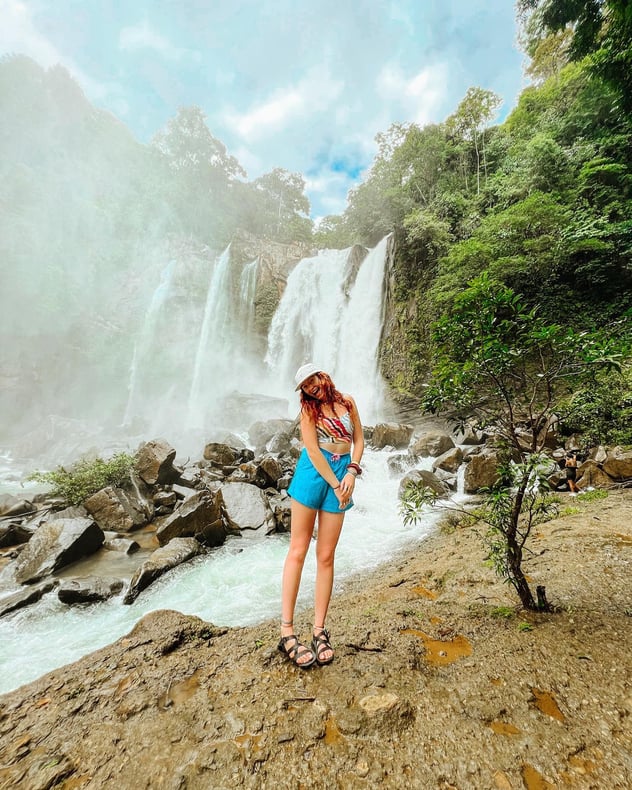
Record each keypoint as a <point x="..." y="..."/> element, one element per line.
<point x="498" y="362"/>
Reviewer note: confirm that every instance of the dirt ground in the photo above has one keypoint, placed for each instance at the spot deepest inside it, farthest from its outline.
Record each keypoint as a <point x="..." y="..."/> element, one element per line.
<point x="440" y="681"/>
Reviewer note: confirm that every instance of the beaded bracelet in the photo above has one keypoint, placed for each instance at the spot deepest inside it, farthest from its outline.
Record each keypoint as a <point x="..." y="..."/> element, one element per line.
<point x="355" y="466"/>
<point x="352" y="472"/>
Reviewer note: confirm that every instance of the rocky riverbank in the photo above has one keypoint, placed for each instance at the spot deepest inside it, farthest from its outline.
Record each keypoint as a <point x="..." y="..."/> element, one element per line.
<point x="439" y="682"/>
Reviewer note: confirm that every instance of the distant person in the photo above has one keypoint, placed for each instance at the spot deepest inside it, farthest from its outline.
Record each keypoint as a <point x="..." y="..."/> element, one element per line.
<point x="322" y="485"/>
<point x="570" y="464"/>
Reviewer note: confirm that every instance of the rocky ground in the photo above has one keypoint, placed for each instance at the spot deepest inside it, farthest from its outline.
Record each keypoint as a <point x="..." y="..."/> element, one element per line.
<point x="440" y="681"/>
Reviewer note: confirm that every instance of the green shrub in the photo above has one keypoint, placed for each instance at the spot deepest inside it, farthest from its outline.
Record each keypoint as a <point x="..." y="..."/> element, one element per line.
<point x="85" y="478"/>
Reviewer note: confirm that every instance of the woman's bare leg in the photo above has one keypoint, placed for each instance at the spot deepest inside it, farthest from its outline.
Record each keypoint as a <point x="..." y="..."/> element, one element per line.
<point x="329" y="528"/>
<point x="301" y="531"/>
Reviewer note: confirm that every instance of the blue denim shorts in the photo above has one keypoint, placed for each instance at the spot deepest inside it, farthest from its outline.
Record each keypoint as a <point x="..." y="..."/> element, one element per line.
<point x="313" y="491"/>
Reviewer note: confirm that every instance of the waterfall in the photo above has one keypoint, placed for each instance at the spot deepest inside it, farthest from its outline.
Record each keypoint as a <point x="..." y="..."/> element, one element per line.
<point x="213" y="335"/>
<point x="327" y="317"/>
<point x="247" y="292"/>
<point x="142" y="347"/>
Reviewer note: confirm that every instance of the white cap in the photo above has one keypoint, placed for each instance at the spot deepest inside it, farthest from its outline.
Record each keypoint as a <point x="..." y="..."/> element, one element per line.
<point x="305" y="372"/>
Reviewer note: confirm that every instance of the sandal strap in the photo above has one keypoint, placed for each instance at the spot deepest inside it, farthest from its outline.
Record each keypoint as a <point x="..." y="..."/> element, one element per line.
<point x="321" y="641"/>
<point x="294" y="651"/>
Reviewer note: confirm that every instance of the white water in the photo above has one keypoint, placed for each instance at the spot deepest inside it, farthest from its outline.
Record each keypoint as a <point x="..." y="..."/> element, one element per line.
<point x="238" y="584"/>
<point x="212" y="337"/>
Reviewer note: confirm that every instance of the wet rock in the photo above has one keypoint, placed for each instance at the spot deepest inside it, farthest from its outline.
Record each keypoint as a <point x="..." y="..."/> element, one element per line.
<point x="14" y="533"/>
<point x="449" y="461"/>
<point x="14" y="506"/>
<point x="115" y="509"/>
<point x="88" y="589"/>
<point x="124" y="545"/>
<point x="431" y="444"/>
<point x="154" y="462"/>
<point x="177" y="551"/>
<point x="55" y="544"/>
<point x="200" y="516"/>
<point x="401" y="463"/>
<point x="247" y="508"/>
<point x="165" y="499"/>
<point x="391" y="434"/>
<point x="29" y="595"/>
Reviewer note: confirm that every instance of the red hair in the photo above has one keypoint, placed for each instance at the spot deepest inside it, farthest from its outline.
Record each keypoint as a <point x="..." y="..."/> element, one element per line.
<point x="313" y="406"/>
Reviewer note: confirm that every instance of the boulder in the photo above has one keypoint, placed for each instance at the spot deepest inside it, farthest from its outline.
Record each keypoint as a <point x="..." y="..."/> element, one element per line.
<point x="55" y="544"/>
<point x="591" y="475"/>
<point x="247" y="508"/>
<point x="154" y="462"/>
<point x="281" y="442"/>
<point x="391" y="434"/>
<point x="270" y="470"/>
<point x="481" y="471"/>
<point x="14" y="533"/>
<point x="260" y="433"/>
<point x="117" y="510"/>
<point x="200" y="516"/>
<point x="27" y="596"/>
<point x="449" y="461"/>
<point x="14" y="506"/>
<point x="221" y="454"/>
<point x="431" y="444"/>
<point x="425" y="478"/>
<point x="597" y="454"/>
<point x="165" y="499"/>
<point x="165" y="558"/>
<point x="89" y="589"/>
<point x="618" y="463"/>
<point x="470" y="436"/>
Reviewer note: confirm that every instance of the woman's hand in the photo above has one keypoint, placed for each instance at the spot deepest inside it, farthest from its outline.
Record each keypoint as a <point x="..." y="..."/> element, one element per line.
<point x="344" y="492"/>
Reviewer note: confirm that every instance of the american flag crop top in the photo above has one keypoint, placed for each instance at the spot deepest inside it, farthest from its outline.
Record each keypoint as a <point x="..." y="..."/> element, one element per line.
<point x="334" y="429"/>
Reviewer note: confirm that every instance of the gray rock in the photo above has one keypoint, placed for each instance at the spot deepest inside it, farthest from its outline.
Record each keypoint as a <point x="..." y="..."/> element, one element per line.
<point x="55" y="544"/>
<point x="432" y="444"/>
<point x="165" y="499"/>
<point x="200" y="516"/>
<point x="261" y="432"/>
<point x="270" y="470"/>
<point x="115" y="509"/>
<point x="14" y="506"/>
<point x="449" y="461"/>
<point x="27" y="596"/>
<point x="154" y="462"/>
<point x="221" y="454"/>
<point x="14" y="533"/>
<point x="89" y="589"/>
<point x="247" y="508"/>
<point x="425" y="478"/>
<point x="391" y="434"/>
<point x="165" y="558"/>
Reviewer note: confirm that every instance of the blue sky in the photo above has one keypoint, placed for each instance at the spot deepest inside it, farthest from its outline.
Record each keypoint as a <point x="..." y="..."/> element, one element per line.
<point x="283" y="83"/>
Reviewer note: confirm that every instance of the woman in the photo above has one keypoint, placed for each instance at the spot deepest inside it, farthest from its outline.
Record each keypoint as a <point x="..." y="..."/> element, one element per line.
<point x="322" y="486"/>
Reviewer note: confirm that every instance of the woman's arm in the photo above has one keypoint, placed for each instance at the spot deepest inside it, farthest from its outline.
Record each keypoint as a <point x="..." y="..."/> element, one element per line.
<point x="347" y="484"/>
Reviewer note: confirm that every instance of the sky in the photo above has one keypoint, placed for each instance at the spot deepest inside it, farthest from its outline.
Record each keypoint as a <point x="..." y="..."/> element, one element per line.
<point x="300" y="85"/>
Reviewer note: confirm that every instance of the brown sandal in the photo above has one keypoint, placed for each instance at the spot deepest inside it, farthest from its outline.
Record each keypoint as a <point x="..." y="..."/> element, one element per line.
<point x="296" y="651"/>
<point x="320" y="644"/>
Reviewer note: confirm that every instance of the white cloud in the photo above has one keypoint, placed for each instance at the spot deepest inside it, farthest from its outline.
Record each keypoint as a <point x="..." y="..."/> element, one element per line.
<point x="418" y="96"/>
<point x="310" y="96"/>
<point x="141" y="37"/>
<point x="18" y="34"/>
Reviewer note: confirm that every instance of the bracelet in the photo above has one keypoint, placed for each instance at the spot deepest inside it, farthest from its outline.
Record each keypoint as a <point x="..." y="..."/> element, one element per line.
<point x="333" y="488"/>
<point x="352" y="472"/>
<point x="357" y="467"/>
